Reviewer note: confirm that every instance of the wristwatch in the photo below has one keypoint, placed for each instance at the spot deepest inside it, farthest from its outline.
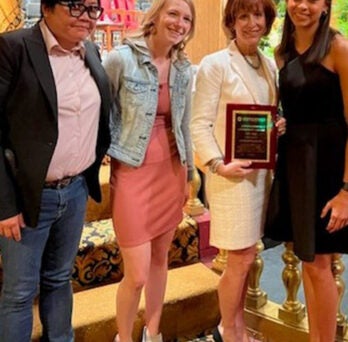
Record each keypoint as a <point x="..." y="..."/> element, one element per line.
<point x="345" y="186"/>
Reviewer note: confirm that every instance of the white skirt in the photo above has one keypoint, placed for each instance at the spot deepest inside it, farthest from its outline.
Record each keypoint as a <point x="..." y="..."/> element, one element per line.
<point x="237" y="208"/>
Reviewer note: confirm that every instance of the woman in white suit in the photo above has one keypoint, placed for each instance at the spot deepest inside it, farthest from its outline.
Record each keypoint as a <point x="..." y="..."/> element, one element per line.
<point x="237" y="193"/>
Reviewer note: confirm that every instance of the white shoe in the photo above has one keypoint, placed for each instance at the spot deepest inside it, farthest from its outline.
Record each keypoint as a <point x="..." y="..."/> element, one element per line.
<point x="148" y="338"/>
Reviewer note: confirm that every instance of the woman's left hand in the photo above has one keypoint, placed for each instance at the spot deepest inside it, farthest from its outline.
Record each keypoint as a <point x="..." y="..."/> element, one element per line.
<point x="339" y="211"/>
<point x="281" y="125"/>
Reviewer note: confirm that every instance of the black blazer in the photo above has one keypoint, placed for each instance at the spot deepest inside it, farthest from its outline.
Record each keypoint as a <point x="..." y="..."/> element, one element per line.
<point x="28" y="121"/>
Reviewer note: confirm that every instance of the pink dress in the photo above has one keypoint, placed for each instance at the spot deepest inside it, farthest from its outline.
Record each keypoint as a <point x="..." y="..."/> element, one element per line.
<point x="147" y="201"/>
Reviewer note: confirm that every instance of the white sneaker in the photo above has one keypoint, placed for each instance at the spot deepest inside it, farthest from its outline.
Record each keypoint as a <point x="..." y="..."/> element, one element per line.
<point x="147" y="338"/>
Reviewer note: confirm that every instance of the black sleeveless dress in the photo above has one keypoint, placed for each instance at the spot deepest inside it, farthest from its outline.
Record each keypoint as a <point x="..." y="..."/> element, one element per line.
<point x="310" y="164"/>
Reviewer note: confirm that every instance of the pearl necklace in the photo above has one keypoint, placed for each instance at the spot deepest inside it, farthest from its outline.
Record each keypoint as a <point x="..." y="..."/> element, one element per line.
<point x="249" y="62"/>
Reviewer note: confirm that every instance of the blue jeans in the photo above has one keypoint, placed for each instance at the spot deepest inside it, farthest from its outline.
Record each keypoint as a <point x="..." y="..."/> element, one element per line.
<point x="42" y="262"/>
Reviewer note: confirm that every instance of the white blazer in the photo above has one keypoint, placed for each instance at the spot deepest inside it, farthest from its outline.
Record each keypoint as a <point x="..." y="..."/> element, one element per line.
<point x="223" y="77"/>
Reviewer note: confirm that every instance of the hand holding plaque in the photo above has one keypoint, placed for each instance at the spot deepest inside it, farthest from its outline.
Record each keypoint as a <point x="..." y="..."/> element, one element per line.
<point x="251" y="135"/>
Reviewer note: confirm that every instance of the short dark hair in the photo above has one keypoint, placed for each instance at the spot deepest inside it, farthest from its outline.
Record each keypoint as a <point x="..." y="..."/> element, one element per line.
<point x="52" y="3"/>
<point x="233" y="7"/>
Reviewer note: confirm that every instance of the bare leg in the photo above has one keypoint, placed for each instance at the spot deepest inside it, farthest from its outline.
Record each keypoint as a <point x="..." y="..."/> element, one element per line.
<point x="321" y="298"/>
<point x="232" y="290"/>
<point x="240" y="322"/>
<point x="136" y="270"/>
<point x="157" y="280"/>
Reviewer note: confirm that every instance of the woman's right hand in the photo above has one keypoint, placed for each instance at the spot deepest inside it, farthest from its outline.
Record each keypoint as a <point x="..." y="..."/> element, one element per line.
<point x="236" y="168"/>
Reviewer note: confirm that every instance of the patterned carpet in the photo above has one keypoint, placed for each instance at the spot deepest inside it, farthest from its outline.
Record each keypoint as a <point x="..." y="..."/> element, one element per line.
<point x="210" y="338"/>
<point x="254" y="336"/>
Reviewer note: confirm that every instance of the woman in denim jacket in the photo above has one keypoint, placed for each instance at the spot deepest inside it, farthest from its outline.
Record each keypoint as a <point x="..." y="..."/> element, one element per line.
<point x="151" y="155"/>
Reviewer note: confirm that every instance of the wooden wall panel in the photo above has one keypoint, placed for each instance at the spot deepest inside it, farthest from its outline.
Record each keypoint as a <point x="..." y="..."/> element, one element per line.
<point x="209" y="35"/>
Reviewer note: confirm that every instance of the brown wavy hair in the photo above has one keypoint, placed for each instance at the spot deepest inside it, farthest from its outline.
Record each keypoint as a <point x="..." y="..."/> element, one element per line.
<point x="233" y="7"/>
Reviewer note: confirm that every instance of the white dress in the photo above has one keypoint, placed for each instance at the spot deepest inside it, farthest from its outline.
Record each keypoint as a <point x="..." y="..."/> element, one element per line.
<point x="237" y="205"/>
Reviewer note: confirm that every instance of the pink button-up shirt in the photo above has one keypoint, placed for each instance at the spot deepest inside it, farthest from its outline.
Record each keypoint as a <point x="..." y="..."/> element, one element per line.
<point x="78" y="109"/>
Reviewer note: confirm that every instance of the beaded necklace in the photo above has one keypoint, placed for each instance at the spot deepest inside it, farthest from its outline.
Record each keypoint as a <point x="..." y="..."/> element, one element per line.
<point x="248" y="61"/>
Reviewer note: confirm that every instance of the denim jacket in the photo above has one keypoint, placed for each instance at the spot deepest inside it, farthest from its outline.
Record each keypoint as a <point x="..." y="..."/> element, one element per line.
<point x="135" y="92"/>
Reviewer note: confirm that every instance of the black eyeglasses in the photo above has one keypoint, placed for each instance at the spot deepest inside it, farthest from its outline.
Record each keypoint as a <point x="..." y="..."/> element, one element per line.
<point x="76" y="9"/>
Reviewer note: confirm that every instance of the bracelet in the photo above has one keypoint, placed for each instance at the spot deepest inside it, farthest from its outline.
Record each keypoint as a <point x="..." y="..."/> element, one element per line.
<point x="214" y="163"/>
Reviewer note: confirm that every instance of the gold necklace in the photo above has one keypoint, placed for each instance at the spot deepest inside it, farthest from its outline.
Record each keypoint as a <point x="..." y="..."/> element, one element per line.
<point x="249" y="62"/>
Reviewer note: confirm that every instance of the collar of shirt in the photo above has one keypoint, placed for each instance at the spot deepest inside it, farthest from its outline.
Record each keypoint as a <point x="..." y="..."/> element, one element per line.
<point x="53" y="47"/>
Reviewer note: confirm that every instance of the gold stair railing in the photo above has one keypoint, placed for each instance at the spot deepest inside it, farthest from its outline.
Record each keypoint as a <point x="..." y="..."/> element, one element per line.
<point x="337" y="271"/>
<point x="292" y="311"/>
<point x="193" y="205"/>
<point x="256" y="298"/>
<point x="274" y="322"/>
<point x="288" y="322"/>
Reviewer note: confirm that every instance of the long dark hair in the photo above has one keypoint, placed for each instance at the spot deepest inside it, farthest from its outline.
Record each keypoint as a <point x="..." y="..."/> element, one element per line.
<point x="321" y="41"/>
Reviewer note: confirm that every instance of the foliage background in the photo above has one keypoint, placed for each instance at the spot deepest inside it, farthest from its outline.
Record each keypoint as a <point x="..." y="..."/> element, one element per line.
<point x="339" y="21"/>
<point x="340" y="16"/>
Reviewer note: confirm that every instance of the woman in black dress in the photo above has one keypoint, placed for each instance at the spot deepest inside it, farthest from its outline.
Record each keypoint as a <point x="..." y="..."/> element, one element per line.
<point x="309" y="198"/>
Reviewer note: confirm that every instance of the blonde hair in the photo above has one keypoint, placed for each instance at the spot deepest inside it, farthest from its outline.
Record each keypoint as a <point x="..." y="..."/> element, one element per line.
<point x="147" y="26"/>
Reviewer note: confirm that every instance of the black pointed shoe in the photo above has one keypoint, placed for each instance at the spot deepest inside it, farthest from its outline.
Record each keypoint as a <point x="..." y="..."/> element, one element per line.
<point x="216" y="335"/>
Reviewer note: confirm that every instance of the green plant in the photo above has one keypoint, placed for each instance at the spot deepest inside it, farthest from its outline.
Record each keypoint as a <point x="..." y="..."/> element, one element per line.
<point x="271" y="41"/>
<point x="340" y="16"/>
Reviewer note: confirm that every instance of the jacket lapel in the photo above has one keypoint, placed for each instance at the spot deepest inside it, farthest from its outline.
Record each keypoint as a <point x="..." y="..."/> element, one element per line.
<point x="98" y="74"/>
<point x="40" y="62"/>
<point x="239" y="65"/>
<point x="39" y="59"/>
<point x="270" y="74"/>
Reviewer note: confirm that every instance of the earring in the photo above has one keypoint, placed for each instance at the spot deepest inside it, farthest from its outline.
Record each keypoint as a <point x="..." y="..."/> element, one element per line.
<point x="323" y="16"/>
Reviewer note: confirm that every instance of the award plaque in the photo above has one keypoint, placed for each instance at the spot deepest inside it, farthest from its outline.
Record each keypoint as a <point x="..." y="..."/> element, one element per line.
<point x="251" y="134"/>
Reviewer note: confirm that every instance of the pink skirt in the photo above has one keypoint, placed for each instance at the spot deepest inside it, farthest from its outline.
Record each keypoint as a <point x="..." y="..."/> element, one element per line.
<point x="147" y="202"/>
